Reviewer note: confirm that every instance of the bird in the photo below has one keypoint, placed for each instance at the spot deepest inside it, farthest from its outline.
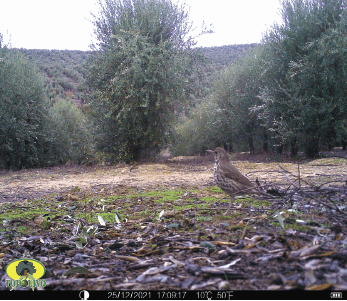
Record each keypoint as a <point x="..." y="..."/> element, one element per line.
<point x="229" y="179"/>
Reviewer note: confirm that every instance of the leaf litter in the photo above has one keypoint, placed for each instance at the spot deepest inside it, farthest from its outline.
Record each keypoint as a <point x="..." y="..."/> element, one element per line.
<point x="160" y="226"/>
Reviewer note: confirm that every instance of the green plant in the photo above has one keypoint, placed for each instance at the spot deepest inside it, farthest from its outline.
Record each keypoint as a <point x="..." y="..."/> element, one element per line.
<point x="25" y="140"/>
<point x="201" y="130"/>
<point x="82" y="239"/>
<point x="305" y="58"/>
<point x="139" y="73"/>
<point x="73" y="139"/>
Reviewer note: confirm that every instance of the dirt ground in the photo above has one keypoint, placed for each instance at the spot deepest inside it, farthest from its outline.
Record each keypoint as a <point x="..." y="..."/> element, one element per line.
<point x="183" y="242"/>
<point x="184" y="172"/>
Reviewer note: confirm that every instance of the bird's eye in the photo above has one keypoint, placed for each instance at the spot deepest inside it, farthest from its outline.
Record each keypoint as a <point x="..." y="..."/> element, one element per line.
<point x="216" y="152"/>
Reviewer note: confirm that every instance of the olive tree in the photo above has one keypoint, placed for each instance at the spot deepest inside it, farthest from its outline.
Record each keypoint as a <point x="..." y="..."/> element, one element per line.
<point x="236" y="92"/>
<point x="303" y="97"/>
<point x="24" y="139"/>
<point x="140" y="71"/>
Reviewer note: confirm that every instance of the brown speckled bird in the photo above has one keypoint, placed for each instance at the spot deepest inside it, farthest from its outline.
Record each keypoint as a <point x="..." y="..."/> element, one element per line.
<point x="229" y="179"/>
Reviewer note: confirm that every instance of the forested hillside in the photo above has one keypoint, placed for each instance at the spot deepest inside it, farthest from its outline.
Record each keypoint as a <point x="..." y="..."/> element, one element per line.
<point x="221" y="56"/>
<point x="65" y="71"/>
<point x="149" y="89"/>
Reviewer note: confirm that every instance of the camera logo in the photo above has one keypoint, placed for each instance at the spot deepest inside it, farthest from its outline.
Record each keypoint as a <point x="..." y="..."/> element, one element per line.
<point x="25" y="272"/>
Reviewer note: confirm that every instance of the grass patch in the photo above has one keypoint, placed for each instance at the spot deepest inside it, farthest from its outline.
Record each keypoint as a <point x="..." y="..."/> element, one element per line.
<point x="64" y="214"/>
<point x="209" y="199"/>
<point x="213" y="189"/>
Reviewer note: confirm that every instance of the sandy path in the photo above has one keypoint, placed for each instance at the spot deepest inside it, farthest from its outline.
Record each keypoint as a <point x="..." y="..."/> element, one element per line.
<point x="38" y="182"/>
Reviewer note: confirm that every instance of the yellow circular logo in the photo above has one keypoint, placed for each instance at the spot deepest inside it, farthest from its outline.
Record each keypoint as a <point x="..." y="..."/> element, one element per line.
<point x="21" y="267"/>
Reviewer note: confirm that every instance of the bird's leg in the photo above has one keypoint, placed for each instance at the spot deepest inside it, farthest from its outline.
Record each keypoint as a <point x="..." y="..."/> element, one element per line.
<point x="231" y="202"/>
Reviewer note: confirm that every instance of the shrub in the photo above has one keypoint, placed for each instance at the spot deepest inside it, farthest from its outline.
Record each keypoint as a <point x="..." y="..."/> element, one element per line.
<point x="24" y="138"/>
<point x="200" y="131"/>
<point x="71" y="129"/>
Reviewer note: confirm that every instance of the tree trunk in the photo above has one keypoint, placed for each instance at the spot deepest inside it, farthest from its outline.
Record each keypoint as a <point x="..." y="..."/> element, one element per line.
<point x="266" y="142"/>
<point x="293" y="148"/>
<point x="251" y="144"/>
<point x="312" y="148"/>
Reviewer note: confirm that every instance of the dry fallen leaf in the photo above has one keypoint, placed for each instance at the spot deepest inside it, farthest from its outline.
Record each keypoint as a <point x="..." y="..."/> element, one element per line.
<point x="318" y="287"/>
<point x="73" y="198"/>
<point x="339" y="236"/>
<point x="38" y="220"/>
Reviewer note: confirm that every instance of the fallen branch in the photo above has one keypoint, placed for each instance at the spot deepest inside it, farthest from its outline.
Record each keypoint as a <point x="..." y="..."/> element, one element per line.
<point x="338" y="181"/>
<point x="310" y="195"/>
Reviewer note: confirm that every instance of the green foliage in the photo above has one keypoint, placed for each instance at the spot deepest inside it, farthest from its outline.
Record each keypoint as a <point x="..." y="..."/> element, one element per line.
<point x="235" y="93"/>
<point x="72" y="133"/>
<point x="212" y="68"/>
<point x="66" y="85"/>
<point x="221" y="56"/>
<point x="201" y="130"/>
<point x="303" y="98"/>
<point x="290" y="91"/>
<point x="24" y="137"/>
<point x="139" y="74"/>
<point x="82" y="239"/>
<point x="225" y="118"/>
<point x="63" y="71"/>
<point x="32" y="131"/>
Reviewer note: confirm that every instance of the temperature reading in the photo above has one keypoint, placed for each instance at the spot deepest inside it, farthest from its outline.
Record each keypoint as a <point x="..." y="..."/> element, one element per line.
<point x="204" y="295"/>
<point x="225" y="295"/>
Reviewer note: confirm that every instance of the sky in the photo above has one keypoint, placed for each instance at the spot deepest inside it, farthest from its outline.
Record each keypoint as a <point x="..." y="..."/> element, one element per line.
<point x="66" y="24"/>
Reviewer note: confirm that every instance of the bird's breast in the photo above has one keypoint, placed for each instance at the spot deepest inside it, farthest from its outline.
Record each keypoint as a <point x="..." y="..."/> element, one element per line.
<point x="223" y="182"/>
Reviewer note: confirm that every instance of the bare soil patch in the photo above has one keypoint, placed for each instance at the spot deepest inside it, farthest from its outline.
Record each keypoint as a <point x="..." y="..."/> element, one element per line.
<point x="177" y="172"/>
<point x="172" y="234"/>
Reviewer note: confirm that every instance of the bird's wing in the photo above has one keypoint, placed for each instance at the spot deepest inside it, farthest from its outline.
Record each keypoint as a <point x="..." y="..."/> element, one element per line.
<point x="232" y="173"/>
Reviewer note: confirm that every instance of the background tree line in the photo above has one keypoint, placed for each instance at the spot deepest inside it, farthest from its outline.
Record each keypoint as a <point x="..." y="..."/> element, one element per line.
<point x="145" y="87"/>
<point x="64" y="72"/>
<point x="35" y="131"/>
<point x="288" y="93"/>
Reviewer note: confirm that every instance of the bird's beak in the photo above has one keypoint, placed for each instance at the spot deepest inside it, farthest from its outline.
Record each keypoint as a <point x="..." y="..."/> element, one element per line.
<point x="209" y="151"/>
